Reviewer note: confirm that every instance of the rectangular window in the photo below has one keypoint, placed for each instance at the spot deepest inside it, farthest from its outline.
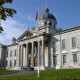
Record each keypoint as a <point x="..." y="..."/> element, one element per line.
<point x="11" y="53"/>
<point x="64" y="58"/>
<point x="74" y="58"/>
<point x="10" y="63"/>
<point x="6" y="63"/>
<point x="15" y="52"/>
<point x="55" y="60"/>
<point x="54" y="47"/>
<point x="7" y="54"/>
<point x="73" y="42"/>
<point x="63" y="44"/>
<point x="30" y="61"/>
<point x="15" y="61"/>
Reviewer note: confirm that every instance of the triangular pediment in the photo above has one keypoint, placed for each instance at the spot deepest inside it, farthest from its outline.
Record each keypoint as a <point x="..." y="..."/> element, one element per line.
<point x="29" y="34"/>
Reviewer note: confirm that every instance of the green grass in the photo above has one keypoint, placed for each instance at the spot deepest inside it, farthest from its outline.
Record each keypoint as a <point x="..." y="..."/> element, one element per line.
<point x="63" y="74"/>
<point x="7" y="71"/>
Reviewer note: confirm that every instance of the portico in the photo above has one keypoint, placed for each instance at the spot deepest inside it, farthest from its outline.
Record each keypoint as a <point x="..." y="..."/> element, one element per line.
<point x="29" y="50"/>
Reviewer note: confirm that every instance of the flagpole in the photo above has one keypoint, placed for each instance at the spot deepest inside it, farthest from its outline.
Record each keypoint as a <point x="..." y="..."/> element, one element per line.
<point x="46" y="3"/>
<point x="38" y="13"/>
<point x="38" y="47"/>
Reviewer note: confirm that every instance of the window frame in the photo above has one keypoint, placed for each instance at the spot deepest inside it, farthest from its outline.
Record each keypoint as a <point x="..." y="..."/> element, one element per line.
<point x="6" y="63"/>
<point x="64" y="59"/>
<point x="7" y="54"/>
<point x="14" y="62"/>
<point x="15" y="52"/>
<point x="10" y="63"/>
<point x="73" y="42"/>
<point x="55" y="60"/>
<point x="75" y="61"/>
<point x="63" y="44"/>
<point x="54" y="47"/>
<point x="11" y="53"/>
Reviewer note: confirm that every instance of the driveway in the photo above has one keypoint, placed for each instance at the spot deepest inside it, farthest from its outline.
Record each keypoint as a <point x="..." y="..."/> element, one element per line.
<point x="22" y="72"/>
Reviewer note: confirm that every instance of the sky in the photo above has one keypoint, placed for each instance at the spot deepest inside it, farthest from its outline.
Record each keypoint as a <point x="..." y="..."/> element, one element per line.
<point x="67" y="13"/>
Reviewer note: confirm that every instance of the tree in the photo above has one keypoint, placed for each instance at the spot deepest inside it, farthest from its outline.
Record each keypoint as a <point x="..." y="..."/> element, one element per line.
<point x="4" y="12"/>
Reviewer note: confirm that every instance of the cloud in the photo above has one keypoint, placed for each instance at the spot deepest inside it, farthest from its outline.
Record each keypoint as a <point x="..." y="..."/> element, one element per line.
<point x="30" y="18"/>
<point x="12" y="28"/>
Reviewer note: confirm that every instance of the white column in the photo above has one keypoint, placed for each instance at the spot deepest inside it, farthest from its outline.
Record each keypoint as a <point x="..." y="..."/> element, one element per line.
<point x="18" y="53"/>
<point x="43" y="53"/>
<point x="32" y="56"/>
<point x="27" y="54"/>
<point x="22" y="55"/>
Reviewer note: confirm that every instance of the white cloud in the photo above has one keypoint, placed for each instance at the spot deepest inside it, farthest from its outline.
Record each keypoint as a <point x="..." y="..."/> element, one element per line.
<point x="12" y="28"/>
<point x="30" y="18"/>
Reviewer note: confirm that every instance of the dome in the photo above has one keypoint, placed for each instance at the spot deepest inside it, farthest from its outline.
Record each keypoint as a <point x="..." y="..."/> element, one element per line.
<point x="13" y="39"/>
<point x="47" y="15"/>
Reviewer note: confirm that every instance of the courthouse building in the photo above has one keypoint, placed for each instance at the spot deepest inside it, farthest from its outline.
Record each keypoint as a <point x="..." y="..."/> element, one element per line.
<point x="57" y="48"/>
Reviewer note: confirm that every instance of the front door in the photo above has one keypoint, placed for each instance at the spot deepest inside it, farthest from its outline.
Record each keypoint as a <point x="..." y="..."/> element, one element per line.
<point x="35" y="63"/>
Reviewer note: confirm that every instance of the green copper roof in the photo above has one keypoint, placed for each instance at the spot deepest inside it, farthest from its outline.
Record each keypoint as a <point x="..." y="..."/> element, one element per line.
<point x="47" y="15"/>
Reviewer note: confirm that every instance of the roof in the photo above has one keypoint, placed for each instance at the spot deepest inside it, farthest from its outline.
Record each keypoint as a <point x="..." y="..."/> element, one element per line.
<point x="12" y="44"/>
<point x="47" y="15"/>
<point x="13" y="39"/>
<point x="67" y="30"/>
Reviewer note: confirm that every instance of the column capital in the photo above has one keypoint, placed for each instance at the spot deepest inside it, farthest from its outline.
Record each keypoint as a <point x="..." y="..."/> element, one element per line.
<point x="42" y="39"/>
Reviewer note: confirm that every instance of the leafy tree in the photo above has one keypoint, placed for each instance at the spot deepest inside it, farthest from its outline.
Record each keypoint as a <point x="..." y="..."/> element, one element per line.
<point x="4" y="12"/>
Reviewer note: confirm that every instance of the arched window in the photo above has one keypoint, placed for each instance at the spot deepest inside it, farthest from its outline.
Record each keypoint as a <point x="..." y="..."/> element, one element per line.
<point x="54" y="25"/>
<point x="39" y="24"/>
<point x="7" y="54"/>
<point x="11" y="63"/>
<point x="42" y="24"/>
<point x="11" y="53"/>
<point x="45" y="23"/>
<point x="50" y="23"/>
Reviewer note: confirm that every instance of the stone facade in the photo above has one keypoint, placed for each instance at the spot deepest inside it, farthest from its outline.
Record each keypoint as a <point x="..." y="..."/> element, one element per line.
<point x="44" y="46"/>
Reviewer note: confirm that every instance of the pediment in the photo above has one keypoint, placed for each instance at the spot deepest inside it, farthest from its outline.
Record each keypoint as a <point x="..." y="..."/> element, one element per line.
<point x="28" y="34"/>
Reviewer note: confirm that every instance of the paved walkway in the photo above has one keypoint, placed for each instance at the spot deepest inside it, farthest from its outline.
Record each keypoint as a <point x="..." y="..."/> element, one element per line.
<point x="23" y="72"/>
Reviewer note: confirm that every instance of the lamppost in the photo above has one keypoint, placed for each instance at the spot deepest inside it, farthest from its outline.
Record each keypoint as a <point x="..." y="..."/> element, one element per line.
<point x="38" y="58"/>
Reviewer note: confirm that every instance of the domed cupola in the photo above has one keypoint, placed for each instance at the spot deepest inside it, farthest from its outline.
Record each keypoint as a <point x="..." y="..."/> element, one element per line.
<point x="13" y="41"/>
<point x="47" y="19"/>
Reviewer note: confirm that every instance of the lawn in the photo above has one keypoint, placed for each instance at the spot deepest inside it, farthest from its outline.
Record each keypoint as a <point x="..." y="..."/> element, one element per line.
<point x="7" y="71"/>
<point x="63" y="74"/>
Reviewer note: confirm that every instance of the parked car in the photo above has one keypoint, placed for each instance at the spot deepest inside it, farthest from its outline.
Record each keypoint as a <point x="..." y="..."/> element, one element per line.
<point x="2" y="68"/>
<point x="27" y="68"/>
